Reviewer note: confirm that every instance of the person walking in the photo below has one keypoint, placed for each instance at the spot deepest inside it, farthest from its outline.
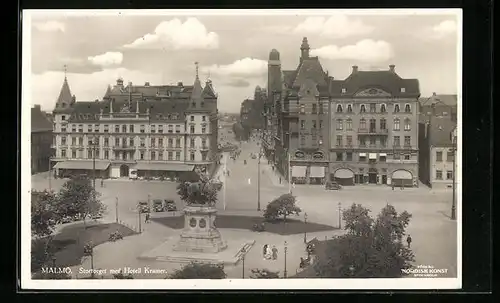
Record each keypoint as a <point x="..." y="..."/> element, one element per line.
<point x="264" y="251"/>
<point x="146" y="218"/>
<point x="408" y="240"/>
<point x="102" y="182"/>
<point x="392" y="185"/>
<point x="275" y="253"/>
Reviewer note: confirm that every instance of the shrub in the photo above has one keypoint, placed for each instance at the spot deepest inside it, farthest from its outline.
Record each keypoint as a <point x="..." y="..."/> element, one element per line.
<point x="283" y="206"/>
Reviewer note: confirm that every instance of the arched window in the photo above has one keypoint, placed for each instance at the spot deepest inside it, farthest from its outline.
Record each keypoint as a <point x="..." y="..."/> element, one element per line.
<point x="407" y="108"/>
<point x="396" y="108"/>
<point x="362" y="109"/>
<point x="396" y="124"/>
<point x="339" y="108"/>
<point x="382" y="108"/>
<point x="349" y="108"/>
<point x="362" y="123"/>
<point x="407" y="124"/>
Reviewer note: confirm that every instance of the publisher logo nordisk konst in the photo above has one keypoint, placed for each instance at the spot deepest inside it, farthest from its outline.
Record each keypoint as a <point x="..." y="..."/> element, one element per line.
<point x="425" y="271"/>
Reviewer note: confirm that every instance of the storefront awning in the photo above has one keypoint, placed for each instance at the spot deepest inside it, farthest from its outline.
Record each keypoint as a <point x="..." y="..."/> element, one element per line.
<point x="402" y="174"/>
<point x="317" y="172"/>
<point x="344" y="173"/>
<point x="372" y="156"/>
<point x="382" y="155"/>
<point x="82" y="164"/>
<point x="164" y="166"/>
<point x="299" y="171"/>
<point x="362" y="154"/>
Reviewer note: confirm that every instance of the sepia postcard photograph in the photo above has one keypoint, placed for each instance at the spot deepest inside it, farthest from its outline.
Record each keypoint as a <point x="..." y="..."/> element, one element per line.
<point x="209" y="149"/>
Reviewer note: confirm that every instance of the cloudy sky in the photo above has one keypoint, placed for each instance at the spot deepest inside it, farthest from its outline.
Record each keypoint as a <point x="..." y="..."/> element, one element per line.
<point x="232" y="50"/>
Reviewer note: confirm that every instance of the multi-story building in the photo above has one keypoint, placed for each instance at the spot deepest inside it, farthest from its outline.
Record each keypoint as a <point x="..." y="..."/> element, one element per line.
<point x="144" y="130"/>
<point x="359" y="130"/>
<point x="41" y="141"/>
<point x="252" y="110"/>
<point x="437" y="152"/>
<point x="438" y="106"/>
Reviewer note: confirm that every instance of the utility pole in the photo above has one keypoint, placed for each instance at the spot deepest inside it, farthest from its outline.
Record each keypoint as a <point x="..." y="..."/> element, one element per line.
<point x="116" y="209"/>
<point x="289" y="174"/>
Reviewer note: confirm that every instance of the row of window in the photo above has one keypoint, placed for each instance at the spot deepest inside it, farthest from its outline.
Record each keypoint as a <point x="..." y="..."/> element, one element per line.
<point x="123" y="128"/>
<point x="439" y="175"/>
<point x="75" y="154"/>
<point x="362" y="124"/>
<point x="373" y="108"/>
<point x="362" y="158"/>
<point x="372" y="141"/>
<point x="169" y="116"/>
<point x="131" y="142"/>
<point x="450" y="156"/>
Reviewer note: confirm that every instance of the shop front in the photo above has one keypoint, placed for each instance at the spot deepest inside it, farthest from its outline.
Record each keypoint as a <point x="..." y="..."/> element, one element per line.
<point x="317" y="175"/>
<point x="89" y="168"/>
<point x="299" y="174"/>
<point x="402" y="178"/>
<point x="344" y="176"/>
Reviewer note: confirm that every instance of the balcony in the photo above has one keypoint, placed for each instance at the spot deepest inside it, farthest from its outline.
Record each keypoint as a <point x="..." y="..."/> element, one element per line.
<point x="124" y="147"/>
<point x="372" y="131"/>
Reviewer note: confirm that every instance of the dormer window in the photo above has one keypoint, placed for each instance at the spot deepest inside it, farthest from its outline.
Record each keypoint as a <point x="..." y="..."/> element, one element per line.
<point x="344" y="90"/>
<point x="403" y="90"/>
<point x="396" y="108"/>
<point x="349" y="108"/>
<point x="339" y="108"/>
<point x="407" y="108"/>
<point x="362" y="109"/>
<point x="383" y="109"/>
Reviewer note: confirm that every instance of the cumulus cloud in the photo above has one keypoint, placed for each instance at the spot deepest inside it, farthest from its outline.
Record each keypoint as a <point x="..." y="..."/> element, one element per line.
<point x="365" y="50"/>
<point x="238" y="83"/>
<point x="174" y="34"/>
<point x="444" y="29"/>
<point x="50" y="26"/>
<point x="244" y="67"/>
<point x="107" y="59"/>
<point x="337" y="26"/>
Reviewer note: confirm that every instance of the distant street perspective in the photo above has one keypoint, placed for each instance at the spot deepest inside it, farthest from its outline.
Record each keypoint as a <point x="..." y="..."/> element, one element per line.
<point x="316" y="176"/>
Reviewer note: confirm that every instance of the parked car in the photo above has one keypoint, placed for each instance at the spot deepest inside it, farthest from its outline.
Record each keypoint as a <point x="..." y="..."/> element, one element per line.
<point x="170" y="205"/>
<point x="158" y="205"/>
<point x="143" y="207"/>
<point x="332" y="186"/>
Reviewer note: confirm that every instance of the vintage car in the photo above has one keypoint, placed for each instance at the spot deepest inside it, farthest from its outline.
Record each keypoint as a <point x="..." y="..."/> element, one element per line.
<point x="332" y="186"/>
<point x="143" y="207"/>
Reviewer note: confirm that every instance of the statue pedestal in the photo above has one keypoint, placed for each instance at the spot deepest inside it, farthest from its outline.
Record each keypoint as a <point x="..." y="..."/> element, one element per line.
<point x="199" y="233"/>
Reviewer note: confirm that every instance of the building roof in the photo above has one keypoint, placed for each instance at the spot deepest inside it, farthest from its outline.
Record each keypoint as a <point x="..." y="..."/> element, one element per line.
<point x="65" y="93"/>
<point x="289" y="76"/>
<point x="274" y="55"/>
<point x="440" y="130"/>
<point x="309" y="68"/>
<point x="208" y="90"/>
<point x="386" y="80"/>
<point x="447" y="100"/>
<point x="39" y="121"/>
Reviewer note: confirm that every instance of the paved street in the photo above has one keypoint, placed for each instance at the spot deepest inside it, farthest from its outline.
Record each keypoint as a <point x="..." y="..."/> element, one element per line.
<point x="433" y="233"/>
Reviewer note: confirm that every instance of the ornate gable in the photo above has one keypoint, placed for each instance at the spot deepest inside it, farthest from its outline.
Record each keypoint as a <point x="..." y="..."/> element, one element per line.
<point x="308" y="89"/>
<point x="372" y="92"/>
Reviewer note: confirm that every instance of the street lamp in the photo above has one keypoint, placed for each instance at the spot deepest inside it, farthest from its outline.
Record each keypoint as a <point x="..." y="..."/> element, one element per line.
<point x="93" y="145"/>
<point x="139" y="213"/>
<point x="340" y="215"/>
<point x="285" y="272"/>
<point x="258" y="182"/>
<point x="243" y="252"/>
<point x="116" y="209"/>
<point x="453" y="202"/>
<point x="305" y="227"/>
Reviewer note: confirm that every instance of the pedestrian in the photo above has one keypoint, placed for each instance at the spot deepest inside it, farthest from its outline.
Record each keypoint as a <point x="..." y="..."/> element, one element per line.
<point x="408" y="240"/>
<point x="392" y="185"/>
<point x="264" y="250"/>
<point x="269" y="253"/>
<point x="102" y="182"/>
<point x="280" y="180"/>
<point x="146" y="219"/>
<point x="275" y="253"/>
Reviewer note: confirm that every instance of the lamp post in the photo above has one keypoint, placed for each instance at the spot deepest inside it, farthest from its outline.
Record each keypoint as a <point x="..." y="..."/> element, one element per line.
<point x="243" y="252"/>
<point x="116" y="209"/>
<point x="139" y="212"/>
<point x="305" y="227"/>
<point x="340" y="215"/>
<point x="285" y="272"/>
<point x="453" y="202"/>
<point x="258" y="182"/>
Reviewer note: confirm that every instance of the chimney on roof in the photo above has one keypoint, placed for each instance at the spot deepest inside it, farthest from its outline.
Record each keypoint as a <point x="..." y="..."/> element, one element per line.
<point x="354" y="69"/>
<point x="180" y="84"/>
<point x="392" y="68"/>
<point x="37" y="107"/>
<point x="146" y="84"/>
<point x="434" y="94"/>
<point x="73" y="99"/>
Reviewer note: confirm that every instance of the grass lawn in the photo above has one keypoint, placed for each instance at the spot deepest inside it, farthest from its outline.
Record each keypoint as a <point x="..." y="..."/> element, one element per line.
<point x="68" y="244"/>
<point x="291" y="227"/>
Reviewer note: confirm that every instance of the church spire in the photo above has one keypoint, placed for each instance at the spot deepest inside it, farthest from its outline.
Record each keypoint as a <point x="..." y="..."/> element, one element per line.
<point x="197" y="88"/>
<point x="65" y="98"/>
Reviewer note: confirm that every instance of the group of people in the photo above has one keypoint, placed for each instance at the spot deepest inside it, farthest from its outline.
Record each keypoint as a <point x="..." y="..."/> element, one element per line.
<point x="270" y="253"/>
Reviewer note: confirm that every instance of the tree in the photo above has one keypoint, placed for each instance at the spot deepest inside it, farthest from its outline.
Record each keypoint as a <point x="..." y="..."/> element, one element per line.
<point x="200" y="271"/>
<point x="264" y="274"/>
<point x="283" y="206"/>
<point x="198" y="193"/>
<point x="370" y="249"/>
<point x="44" y="214"/>
<point x="77" y="197"/>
